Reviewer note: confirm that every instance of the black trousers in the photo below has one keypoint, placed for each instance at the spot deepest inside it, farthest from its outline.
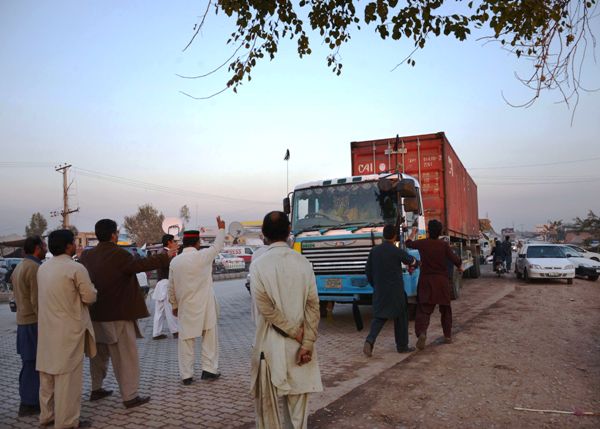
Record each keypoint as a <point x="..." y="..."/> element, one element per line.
<point x="400" y="330"/>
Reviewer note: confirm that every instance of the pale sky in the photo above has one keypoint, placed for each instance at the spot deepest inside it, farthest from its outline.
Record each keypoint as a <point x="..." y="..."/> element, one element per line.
<point x="94" y="84"/>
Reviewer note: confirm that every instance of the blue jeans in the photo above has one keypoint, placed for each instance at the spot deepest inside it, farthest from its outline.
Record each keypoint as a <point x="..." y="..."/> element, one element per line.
<point x="29" y="378"/>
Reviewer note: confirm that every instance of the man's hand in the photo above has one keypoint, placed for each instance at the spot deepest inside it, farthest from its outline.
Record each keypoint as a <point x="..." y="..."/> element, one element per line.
<point x="220" y="223"/>
<point x="174" y="312"/>
<point x="304" y="356"/>
<point x="300" y="335"/>
<point x="172" y="251"/>
<point x="460" y="269"/>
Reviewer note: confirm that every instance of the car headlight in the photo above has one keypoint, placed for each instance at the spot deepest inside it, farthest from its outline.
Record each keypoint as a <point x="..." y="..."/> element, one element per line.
<point x="569" y="267"/>
<point x="535" y="266"/>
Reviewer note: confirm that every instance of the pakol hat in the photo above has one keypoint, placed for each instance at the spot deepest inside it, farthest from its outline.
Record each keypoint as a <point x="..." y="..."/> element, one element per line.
<point x="191" y="233"/>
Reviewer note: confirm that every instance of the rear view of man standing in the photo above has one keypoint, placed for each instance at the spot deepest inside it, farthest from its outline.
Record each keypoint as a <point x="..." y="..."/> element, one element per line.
<point x="284" y="360"/>
<point x="65" y="332"/>
<point x="384" y="272"/>
<point x="120" y="303"/>
<point x="24" y="281"/>
<point x="193" y="299"/>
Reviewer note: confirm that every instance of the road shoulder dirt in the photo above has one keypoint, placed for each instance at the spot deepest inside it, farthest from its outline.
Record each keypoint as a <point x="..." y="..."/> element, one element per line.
<point x="536" y="348"/>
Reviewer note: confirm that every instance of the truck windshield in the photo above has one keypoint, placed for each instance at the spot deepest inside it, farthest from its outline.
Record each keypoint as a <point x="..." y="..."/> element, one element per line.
<point x="342" y="205"/>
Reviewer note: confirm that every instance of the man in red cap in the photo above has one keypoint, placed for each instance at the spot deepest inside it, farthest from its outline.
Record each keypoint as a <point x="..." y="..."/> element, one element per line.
<point x="192" y="297"/>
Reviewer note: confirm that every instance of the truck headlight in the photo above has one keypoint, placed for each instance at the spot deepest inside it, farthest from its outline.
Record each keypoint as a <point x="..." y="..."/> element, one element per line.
<point x="535" y="266"/>
<point x="569" y="267"/>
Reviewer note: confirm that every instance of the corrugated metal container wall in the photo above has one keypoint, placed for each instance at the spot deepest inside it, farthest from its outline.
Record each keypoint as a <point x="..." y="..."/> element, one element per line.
<point x="449" y="193"/>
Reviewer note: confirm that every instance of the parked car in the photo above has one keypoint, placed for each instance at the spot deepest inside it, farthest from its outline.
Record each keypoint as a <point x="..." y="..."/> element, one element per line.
<point x="8" y="266"/>
<point x="585" y="253"/>
<point x="584" y="267"/>
<point x="226" y="262"/>
<point x="544" y="261"/>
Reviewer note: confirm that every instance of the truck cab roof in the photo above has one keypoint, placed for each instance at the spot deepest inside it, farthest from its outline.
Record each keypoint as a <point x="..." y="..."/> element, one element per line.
<point x="351" y="179"/>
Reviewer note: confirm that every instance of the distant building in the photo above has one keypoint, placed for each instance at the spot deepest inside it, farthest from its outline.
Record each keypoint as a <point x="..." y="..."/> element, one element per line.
<point x="85" y="239"/>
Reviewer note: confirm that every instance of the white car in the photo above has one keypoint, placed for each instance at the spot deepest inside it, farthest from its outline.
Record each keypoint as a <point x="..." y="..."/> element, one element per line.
<point x="227" y="262"/>
<point x="585" y="253"/>
<point x="584" y="267"/>
<point x="544" y="261"/>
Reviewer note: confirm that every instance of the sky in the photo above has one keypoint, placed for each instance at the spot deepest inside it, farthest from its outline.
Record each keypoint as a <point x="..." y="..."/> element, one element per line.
<point x="94" y="84"/>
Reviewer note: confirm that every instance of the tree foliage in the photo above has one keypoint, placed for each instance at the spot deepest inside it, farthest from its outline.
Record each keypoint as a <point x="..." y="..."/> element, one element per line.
<point x="552" y="34"/>
<point x="553" y="231"/>
<point x="145" y="227"/>
<point x="37" y="225"/>
<point x="589" y="224"/>
<point x="184" y="214"/>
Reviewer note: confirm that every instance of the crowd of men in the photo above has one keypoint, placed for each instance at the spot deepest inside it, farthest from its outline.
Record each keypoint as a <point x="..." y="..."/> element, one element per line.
<point x="67" y="309"/>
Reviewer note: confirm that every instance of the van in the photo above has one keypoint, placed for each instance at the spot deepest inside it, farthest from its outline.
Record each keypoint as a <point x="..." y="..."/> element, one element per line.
<point x="244" y="252"/>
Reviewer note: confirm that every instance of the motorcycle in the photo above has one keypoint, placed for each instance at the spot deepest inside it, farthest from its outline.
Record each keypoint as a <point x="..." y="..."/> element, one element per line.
<point x="500" y="268"/>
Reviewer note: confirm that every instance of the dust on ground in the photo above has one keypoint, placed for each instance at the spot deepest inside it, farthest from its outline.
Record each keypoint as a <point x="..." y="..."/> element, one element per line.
<point x="539" y="347"/>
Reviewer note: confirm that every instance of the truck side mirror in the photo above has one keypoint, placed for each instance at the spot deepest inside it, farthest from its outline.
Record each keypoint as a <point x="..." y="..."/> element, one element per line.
<point x="287" y="206"/>
<point x="406" y="188"/>
<point x="411" y="205"/>
<point x="384" y="185"/>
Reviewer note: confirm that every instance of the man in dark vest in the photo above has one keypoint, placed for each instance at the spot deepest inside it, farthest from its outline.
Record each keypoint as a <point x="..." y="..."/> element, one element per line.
<point x="384" y="272"/>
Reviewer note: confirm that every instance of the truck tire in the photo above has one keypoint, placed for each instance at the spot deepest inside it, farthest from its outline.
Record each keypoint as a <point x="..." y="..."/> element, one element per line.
<point x="475" y="270"/>
<point x="455" y="285"/>
<point x="593" y="278"/>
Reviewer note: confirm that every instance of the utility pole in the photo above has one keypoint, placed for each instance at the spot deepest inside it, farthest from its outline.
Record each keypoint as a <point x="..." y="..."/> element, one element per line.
<point x="66" y="211"/>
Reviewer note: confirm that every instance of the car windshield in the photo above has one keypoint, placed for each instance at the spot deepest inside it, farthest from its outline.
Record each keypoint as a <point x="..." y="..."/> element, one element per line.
<point x="545" y="252"/>
<point x="344" y="205"/>
<point x="571" y="251"/>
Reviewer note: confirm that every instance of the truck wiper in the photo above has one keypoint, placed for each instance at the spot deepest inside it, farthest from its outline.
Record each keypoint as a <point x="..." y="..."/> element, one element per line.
<point x="361" y="224"/>
<point x="312" y="228"/>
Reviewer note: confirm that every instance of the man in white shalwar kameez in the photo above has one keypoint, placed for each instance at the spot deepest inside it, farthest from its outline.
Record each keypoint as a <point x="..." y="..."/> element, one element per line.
<point x="163" y="311"/>
<point x="192" y="296"/>
<point x="284" y="360"/>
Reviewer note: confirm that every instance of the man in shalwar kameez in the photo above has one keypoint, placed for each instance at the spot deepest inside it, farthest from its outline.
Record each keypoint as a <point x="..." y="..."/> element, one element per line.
<point x="284" y="360"/>
<point x="162" y="307"/>
<point x="65" y="332"/>
<point x="433" y="288"/>
<point x="193" y="299"/>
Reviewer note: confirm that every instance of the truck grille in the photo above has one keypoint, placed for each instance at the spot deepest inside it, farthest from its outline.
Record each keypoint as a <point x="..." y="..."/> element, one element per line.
<point x="338" y="260"/>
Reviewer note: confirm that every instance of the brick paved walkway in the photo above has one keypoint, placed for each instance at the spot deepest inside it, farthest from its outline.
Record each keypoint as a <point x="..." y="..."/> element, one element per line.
<point x="226" y="402"/>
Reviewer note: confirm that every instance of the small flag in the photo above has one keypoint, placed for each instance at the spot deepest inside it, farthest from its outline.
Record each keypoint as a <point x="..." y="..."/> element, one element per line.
<point x="287" y="155"/>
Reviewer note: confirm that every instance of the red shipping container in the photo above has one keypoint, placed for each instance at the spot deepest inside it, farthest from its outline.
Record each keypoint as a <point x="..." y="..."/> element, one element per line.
<point x="449" y="193"/>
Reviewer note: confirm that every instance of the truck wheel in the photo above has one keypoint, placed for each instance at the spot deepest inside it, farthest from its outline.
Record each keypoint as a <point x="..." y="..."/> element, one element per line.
<point x="323" y="308"/>
<point x="475" y="270"/>
<point x="569" y="281"/>
<point x="592" y="278"/>
<point x="455" y="286"/>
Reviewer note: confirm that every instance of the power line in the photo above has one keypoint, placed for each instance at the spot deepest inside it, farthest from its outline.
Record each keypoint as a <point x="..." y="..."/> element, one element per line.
<point x="160" y="188"/>
<point x="536" y="165"/>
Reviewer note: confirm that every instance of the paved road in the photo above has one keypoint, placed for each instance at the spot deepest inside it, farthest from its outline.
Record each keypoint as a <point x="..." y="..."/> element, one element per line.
<point x="226" y="402"/>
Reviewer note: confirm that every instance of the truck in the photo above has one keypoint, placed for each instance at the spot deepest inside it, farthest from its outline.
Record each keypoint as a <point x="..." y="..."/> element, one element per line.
<point x="403" y="181"/>
<point x="448" y="191"/>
